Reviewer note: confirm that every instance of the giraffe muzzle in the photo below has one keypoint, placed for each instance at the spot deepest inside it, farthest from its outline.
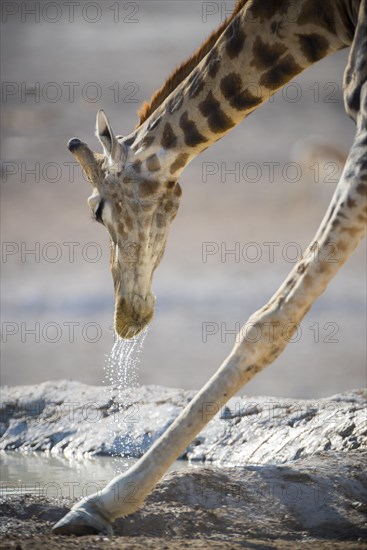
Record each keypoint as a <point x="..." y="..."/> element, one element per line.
<point x="131" y="317"/>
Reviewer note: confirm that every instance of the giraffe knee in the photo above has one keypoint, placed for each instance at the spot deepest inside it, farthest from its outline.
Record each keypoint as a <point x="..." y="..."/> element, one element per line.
<point x="270" y="331"/>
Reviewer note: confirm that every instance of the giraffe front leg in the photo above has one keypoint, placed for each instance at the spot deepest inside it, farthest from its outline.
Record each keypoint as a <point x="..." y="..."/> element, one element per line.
<point x="343" y="227"/>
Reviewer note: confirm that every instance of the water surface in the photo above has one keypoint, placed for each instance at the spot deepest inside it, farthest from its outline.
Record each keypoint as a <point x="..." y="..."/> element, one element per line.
<point x="54" y="477"/>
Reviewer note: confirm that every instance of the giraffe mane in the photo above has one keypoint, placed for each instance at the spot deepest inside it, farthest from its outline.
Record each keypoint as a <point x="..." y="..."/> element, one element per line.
<point x="185" y="68"/>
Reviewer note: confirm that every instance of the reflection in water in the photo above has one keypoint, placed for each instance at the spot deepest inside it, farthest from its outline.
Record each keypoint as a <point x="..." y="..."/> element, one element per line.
<point x="54" y="477"/>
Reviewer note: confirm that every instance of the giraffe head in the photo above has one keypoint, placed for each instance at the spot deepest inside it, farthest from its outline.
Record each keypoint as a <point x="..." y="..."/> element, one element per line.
<point x="136" y="207"/>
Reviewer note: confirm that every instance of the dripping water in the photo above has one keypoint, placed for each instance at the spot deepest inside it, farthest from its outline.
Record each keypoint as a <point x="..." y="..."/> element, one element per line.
<point x="122" y="379"/>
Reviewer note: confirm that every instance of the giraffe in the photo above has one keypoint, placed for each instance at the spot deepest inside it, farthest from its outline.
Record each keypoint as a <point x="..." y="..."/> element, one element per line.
<point x="136" y="194"/>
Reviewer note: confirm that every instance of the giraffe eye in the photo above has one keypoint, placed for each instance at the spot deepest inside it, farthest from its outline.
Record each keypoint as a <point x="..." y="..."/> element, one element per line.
<point x="99" y="211"/>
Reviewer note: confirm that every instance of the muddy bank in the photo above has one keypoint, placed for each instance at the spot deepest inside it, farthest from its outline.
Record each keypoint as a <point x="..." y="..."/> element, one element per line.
<point x="318" y="502"/>
<point x="283" y="473"/>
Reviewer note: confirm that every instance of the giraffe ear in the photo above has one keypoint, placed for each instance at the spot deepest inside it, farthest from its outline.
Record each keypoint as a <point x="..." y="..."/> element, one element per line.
<point x="107" y="138"/>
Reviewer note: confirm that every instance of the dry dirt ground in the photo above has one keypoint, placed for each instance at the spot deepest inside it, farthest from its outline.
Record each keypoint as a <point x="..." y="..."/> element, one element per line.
<point x="298" y="481"/>
<point x="27" y="522"/>
<point x="213" y="508"/>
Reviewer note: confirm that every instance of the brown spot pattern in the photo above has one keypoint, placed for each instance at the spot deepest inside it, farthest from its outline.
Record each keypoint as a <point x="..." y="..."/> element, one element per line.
<point x="168" y="206"/>
<point x="148" y="188"/>
<point x="280" y="73"/>
<point x="352" y="231"/>
<point x="319" y="13"/>
<point x="313" y="46"/>
<point x="307" y="280"/>
<point x="231" y="87"/>
<point x="186" y="67"/>
<point x="361" y="189"/>
<point x="235" y="38"/>
<point x="343" y="246"/>
<point x="137" y="166"/>
<point x="265" y="55"/>
<point x="147" y="142"/>
<point x="192" y="136"/>
<point x="267" y="9"/>
<point x="177" y="190"/>
<point x="169" y="139"/>
<point x="218" y="121"/>
<point x="153" y="163"/>
<point x="179" y="162"/>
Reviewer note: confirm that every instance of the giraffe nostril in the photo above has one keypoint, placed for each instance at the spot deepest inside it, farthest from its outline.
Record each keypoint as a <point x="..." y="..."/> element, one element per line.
<point x="74" y="143"/>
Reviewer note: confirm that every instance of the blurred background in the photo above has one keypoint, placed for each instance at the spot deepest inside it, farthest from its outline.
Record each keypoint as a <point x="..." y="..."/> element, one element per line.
<point x="260" y="192"/>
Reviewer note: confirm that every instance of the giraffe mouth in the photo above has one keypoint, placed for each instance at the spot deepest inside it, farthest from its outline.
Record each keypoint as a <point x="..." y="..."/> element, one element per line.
<point x="128" y="329"/>
<point x="130" y="321"/>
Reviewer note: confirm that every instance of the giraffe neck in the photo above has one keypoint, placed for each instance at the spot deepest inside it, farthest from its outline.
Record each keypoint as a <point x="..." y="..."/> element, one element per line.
<point x="263" y="48"/>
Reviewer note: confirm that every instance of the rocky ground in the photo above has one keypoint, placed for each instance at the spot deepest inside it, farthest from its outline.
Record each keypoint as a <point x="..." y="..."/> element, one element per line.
<point x="291" y="473"/>
<point x="74" y="419"/>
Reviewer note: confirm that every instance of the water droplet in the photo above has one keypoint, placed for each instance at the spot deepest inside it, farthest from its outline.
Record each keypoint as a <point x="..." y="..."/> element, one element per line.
<point x="121" y="375"/>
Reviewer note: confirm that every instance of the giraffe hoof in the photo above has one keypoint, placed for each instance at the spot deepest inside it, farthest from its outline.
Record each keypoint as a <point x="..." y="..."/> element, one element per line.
<point x="80" y="522"/>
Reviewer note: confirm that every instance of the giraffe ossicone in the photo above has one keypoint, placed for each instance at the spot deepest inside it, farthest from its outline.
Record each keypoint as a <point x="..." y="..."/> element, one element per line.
<point x="255" y="52"/>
